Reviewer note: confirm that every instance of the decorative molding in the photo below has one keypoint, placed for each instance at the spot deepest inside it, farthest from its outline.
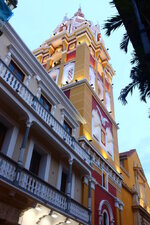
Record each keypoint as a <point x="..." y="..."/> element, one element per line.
<point x="100" y="162"/>
<point x="70" y="119"/>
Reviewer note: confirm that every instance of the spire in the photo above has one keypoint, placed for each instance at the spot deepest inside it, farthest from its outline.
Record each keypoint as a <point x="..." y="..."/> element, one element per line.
<point x="65" y="18"/>
<point x="79" y="12"/>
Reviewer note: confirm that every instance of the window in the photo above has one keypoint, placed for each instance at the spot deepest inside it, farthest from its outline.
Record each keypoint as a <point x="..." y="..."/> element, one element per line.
<point x="35" y="162"/>
<point x="3" y="130"/>
<point x="63" y="181"/>
<point x="105" y="218"/>
<point x="67" y="128"/>
<point x="45" y="103"/>
<point x="16" y="70"/>
<point x="105" y="180"/>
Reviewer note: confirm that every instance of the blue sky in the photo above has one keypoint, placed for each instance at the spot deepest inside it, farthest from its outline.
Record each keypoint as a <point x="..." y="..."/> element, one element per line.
<point x="35" y="21"/>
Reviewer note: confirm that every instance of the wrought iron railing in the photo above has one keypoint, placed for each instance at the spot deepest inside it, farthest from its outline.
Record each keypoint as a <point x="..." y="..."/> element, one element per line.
<point x="34" y="186"/>
<point x="45" y="115"/>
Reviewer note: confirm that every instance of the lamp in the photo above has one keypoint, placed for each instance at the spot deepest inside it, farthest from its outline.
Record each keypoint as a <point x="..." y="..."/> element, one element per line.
<point x="76" y="80"/>
<point x="67" y="221"/>
<point x="54" y="215"/>
<point x="38" y="207"/>
<point x="102" y="100"/>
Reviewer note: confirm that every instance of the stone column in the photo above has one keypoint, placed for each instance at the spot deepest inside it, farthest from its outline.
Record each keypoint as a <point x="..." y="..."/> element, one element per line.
<point x="89" y="199"/>
<point x="121" y="211"/>
<point x="62" y="118"/>
<point x="117" y="212"/>
<point x="74" y="131"/>
<point x="69" y="180"/>
<point x="24" y="143"/>
<point x="8" y="58"/>
<point x="27" y="81"/>
<point x="53" y="110"/>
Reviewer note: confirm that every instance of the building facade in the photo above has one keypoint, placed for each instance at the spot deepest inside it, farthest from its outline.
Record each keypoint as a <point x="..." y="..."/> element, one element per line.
<point x="59" y="158"/>
<point x="135" y="190"/>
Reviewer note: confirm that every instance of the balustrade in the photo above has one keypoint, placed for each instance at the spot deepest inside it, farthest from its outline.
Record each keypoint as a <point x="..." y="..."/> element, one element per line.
<point x="27" y="182"/>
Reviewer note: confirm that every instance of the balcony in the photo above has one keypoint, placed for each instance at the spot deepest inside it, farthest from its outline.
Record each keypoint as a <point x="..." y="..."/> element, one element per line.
<point x="47" y="118"/>
<point x="24" y="181"/>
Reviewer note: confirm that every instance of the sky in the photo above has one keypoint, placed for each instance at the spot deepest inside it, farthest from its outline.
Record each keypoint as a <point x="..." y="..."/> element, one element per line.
<point x="35" y="21"/>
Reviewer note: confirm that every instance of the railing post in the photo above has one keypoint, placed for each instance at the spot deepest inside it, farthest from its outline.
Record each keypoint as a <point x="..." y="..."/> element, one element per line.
<point x="24" y="143"/>
<point x="69" y="179"/>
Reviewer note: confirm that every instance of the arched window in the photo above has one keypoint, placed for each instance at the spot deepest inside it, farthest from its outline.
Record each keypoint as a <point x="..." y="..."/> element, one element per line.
<point x="105" y="214"/>
<point x="105" y="218"/>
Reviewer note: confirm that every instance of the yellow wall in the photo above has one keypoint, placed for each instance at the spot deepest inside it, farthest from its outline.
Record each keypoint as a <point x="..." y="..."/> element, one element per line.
<point x="127" y="210"/>
<point x="81" y="97"/>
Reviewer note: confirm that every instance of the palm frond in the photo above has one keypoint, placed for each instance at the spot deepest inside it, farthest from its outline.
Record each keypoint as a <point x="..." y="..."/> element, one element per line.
<point x="125" y="91"/>
<point x="135" y="59"/>
<point x="140" y="79"/>
<point x="112" y="24"/>
<point x="124" y="43"/>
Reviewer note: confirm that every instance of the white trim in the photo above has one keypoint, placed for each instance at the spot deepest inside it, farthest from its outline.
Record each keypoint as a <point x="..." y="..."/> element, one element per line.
<point x="73" y="185"/>
<point x="44" y="163"/>
<point x="69" y="118"/>
<point x="29" y="154"/>
<point x="85" y="180"/>
<point x="18" y="58"/>
<point x="106" y="180"/>
<point x="45" y="166"/>
<point x="107" y="204"/>
<point x="11" y="135"/>
<point x="59" y="176"/>
<point x="105" y="211"/>
<point x="12" y="141"/>
<point x="48" y="93"/>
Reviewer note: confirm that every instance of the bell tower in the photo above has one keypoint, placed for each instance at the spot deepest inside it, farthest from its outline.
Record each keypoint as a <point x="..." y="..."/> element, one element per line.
<point x="75" y="57"/>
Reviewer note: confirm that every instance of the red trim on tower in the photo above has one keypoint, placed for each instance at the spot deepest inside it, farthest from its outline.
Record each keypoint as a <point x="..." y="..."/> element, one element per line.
<point x="97" y="177"/>
<point x="100" y="76"/>
<point x="101" y="194"/>
<point x="44" y="65"/>
<point x="107" y="85"/>
<point x="92" y="61"/>
<point x="67" y="93"/>
<point x="112" y="189"/>
<point x="71" y="56"/>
